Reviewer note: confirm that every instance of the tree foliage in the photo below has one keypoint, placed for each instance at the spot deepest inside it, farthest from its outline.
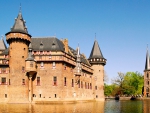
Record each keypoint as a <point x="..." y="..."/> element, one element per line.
<point x="130" y="83"/>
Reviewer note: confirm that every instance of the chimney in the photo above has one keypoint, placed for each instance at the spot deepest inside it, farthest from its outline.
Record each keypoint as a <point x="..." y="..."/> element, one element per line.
<point x="65" y="42"/>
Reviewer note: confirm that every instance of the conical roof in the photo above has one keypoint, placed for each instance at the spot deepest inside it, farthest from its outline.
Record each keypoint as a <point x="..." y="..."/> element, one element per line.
<point x="147" y="63"/>
<point x="96" y="51"/>
<point x="19" y="25"/>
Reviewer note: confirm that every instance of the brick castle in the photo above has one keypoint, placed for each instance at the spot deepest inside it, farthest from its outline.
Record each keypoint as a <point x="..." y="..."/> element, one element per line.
<point x="47" y="69"/>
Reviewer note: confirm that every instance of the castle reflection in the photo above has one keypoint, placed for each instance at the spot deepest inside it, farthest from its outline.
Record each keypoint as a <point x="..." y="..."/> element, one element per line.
<point x="89" y="107"/>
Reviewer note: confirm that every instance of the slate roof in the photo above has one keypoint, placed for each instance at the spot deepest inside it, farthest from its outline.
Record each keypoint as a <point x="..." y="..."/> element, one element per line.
<point x="19" y="25"/>
<point x="2" y="45"/>
<point x="147" y="63"/>
<point x="47" y="44"/>
<point x="53" y="44"/>
<point x="96" y="51"/>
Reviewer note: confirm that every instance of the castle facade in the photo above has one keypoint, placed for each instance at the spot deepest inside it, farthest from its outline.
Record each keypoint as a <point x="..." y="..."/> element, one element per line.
<point x="34" y="70"/>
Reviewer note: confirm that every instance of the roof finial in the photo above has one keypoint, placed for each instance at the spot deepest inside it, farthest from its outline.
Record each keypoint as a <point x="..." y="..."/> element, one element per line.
<point x="147" y="46"/>
<point x="95" y="36"/>
<point x="20" y="8"/>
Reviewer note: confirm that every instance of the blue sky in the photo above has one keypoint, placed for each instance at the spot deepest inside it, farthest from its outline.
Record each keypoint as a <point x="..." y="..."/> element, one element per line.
<point x="122" y="27"/>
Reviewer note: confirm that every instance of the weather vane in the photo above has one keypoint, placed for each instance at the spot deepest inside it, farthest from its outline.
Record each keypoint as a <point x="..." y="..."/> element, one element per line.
<point x="20" y="8"/>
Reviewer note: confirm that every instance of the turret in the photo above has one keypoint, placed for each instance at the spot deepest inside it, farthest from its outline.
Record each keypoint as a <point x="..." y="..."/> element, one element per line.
<point x="97" y="62"/>
<point x="31" y="67"/>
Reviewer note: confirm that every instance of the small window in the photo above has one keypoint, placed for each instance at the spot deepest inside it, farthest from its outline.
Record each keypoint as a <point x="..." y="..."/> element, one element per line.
<point x="5" y="95"/>
<point x="55" y="96"/>
<point x="81" y="84"/>
<point x="3" y="70"/>
<point x="72" y="83"/>
<point x="95" y="87"/>
<point x="85" y="85"/>
<point x="38" y="81"/>
<point x="22" y="56"/>
<point x="40" y="95"/>
<point x="65" y="81"/>
<point x="23" y="81"/>
<point x="9" y="81"/>
<point x="90" y="85"/>
<point x="23" y="69"/>
<point x="3" y="80"/>
<point x="55" y="81"/>
<point x="147" y="75"/>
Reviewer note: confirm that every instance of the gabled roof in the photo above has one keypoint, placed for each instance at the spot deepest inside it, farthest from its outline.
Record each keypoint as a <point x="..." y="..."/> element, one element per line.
<point x="2" y="45"/>
<point x="147" y="63"/>
<point x="47" y="44"/>
<point x="19" y="25"/>
<point x="96" y="52"/>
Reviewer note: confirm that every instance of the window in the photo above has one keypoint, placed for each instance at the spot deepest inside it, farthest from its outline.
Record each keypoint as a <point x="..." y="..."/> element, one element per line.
<point x="3" y="80"/>
<point x="23" y="69"/>
<point x="95" y="87"/>
<point x="5" y="95"/>
<point x="65" y="81"/>
<point x="42" y="65"/>
<point x="147" y="89"/>
<point x="90" y="85"/>
<point x="54" y="65"/>
<point x="38" y="81"/>
<point x="81" y="84"/>
<point x="40" y="95"/>
<point x="3" y="70"/>
<point x="9" y="81"/>
<point x="147" y="75"/>
<point x="85" y="85"/>
<point x="72" y="83"/>
<point x="55" y="81"/>
<point x="55" y="96"/>
<point x="23" y="81"/>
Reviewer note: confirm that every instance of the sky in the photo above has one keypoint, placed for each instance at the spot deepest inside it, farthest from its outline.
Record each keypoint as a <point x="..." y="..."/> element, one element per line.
<point x="122" y="27"/>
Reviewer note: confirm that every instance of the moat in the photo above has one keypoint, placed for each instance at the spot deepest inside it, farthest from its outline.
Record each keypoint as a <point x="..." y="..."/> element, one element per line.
<point x="109" y="106"/>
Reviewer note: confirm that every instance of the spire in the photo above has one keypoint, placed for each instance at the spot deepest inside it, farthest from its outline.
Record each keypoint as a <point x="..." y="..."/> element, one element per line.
<point x="78" y="68"/>
<point x="19" y="25"/>
<point x="96" y="52"/>
<point x="147" y="63"/>
<point x="78" y="54"/>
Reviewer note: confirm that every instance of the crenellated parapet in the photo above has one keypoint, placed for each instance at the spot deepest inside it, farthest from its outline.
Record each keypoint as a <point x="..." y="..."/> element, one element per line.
<point x="10" y="37"/>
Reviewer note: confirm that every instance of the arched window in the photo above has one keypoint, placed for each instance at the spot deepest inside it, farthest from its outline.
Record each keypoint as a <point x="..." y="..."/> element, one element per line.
<point x="147" y="75"/>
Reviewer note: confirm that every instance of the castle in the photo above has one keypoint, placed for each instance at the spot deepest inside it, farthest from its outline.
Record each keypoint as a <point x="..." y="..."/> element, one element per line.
<point x="47" y="69"/>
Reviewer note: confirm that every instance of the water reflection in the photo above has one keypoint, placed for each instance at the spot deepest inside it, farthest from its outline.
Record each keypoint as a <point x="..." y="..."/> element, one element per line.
<point x="90" y="107"/>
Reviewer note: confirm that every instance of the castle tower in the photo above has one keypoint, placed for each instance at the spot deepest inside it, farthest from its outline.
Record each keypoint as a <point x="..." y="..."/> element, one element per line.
<point x="18" y="40"/>
<point x="97" y="62"/>
<point x="147" y="76"/>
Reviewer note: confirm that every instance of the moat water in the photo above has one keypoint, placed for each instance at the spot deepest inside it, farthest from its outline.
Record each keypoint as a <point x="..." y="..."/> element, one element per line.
<point x="109" y="106"/>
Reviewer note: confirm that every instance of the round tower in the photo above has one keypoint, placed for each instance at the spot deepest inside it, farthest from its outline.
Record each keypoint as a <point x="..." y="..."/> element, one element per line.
<point x="18" y="40"/>
<point x="97" y="62"/>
